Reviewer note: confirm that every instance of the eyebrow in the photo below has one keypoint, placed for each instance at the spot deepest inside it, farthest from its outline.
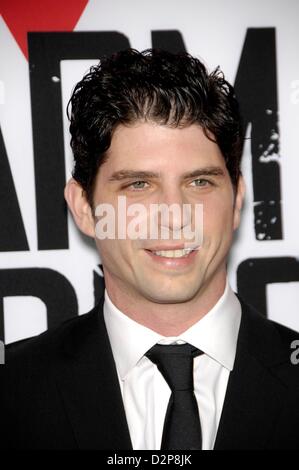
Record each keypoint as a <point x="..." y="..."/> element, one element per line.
<point x="206" y="171"/>
<point x="129" y="174"/>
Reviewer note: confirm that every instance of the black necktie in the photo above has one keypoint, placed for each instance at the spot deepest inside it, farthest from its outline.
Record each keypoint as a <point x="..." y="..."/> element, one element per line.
<point x="182" y="430"/>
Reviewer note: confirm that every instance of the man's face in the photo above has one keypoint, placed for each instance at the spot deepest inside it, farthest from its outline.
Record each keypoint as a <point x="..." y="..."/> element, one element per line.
<point x="152" y="164"/>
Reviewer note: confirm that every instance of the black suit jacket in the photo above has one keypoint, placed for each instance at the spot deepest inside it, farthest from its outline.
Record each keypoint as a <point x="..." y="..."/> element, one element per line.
<point x="60" y="390"/>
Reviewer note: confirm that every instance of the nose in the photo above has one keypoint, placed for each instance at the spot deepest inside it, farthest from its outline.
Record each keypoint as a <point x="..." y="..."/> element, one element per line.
<point x="175" y="213"/>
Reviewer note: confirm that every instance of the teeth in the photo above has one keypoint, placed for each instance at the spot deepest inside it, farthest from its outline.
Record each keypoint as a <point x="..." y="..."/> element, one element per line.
<point x="173" y="253"/>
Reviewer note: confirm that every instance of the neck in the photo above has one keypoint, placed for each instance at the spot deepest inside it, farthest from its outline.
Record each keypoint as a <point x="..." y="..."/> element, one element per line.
<point x="167" y="319"/>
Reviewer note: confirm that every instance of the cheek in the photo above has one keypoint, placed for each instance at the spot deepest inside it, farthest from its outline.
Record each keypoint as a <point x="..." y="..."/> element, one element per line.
<point x="114" y="252"/>
<point x="218" y="216"/>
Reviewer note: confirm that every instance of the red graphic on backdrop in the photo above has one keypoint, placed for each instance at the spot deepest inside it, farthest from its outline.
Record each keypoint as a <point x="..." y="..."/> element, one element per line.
<point x="22" y="16"/>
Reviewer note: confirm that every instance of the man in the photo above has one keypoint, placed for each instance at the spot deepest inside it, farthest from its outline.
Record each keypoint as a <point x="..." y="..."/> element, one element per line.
<point x="170" y="358"/>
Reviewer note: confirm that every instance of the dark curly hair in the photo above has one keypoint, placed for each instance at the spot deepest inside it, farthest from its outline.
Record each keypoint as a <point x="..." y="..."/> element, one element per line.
<point x="154" y="85"/>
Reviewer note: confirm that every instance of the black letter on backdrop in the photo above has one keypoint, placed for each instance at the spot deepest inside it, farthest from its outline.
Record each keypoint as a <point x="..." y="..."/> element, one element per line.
<point x="254" y="274"/>
<point x="12" y="233"/>
<point x="256" y="88"/>
<point x="170" y="40"/>
<point x="50" y="286"/>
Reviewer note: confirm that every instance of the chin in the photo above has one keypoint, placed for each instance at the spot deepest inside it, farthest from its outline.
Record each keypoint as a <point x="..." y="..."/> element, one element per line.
<point x="167" y="297"/>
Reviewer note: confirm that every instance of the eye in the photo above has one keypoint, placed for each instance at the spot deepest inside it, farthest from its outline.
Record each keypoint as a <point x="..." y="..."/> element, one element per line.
<point x="137" y="185"/>
<point x="201" y="182"/>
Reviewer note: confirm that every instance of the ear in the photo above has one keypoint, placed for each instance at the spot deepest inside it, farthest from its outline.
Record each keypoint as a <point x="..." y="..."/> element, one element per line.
<point x="79" y="206"/>
<point x="239" y="199"/>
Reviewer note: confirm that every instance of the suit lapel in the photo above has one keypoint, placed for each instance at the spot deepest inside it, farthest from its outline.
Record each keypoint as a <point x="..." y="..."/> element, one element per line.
<point x="89" y="386"/>
<point x="254" y="395"/>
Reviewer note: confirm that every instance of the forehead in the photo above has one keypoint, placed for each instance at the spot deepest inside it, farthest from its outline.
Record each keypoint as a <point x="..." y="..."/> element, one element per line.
<point x="149" y="146"/>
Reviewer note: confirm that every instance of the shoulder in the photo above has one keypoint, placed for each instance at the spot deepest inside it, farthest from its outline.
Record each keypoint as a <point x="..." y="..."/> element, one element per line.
<point x="46" y="346"/>
<point x="272" y="344"/>
<point x="263" y="326"/>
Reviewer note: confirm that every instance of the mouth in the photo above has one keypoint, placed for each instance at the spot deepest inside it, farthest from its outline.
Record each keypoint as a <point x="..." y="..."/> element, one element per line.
<point x="178" y="253"/>
<point x="173" y="258"/>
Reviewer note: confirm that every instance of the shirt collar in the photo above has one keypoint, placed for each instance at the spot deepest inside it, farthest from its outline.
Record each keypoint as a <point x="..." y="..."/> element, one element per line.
<point x="215" y="334"/>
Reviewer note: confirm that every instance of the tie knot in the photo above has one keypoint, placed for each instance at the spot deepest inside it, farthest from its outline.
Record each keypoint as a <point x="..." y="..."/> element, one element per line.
<point x="175" y="362"/>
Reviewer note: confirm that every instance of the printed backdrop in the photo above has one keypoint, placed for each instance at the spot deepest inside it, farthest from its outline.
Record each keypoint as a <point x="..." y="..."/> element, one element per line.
<point x="48" y="271"/>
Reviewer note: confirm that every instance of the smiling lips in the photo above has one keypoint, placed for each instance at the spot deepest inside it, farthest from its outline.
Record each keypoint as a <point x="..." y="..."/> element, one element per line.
<point x="173" y="253"/>
<point x="173" y="256"/>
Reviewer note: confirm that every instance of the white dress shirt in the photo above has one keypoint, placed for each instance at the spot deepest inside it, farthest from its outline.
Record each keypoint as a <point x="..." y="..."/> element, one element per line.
<point x="144" y="390"/>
